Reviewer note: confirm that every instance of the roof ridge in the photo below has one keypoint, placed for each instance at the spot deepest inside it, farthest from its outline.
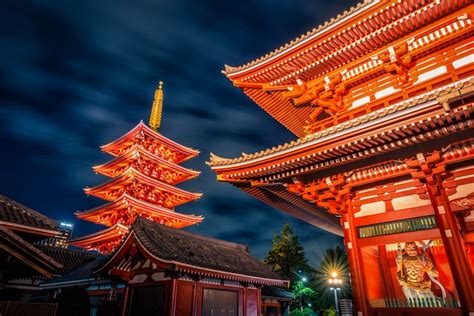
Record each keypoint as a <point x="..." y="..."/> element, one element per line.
<point x="171" y="230"/>
<point x="229" y="70"/>
<point x="27" y="209"/>
<point x="71" y="251"/>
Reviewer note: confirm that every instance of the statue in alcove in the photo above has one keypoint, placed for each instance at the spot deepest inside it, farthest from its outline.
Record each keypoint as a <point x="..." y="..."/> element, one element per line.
<point x="416" y="272"/>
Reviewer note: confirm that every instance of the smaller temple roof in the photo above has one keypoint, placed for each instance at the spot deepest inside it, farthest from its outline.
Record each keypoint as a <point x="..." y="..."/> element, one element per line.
<point x="140" y="129"/>
<point x="69" y="258"/>
<point x="82" y="274"/>
<point x="27" y="253"/>
<point x="19" y="217"/>
<point x="193" y="252"/>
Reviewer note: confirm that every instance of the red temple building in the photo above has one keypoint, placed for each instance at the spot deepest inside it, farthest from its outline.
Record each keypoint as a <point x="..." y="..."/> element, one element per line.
<point x="380" y="99"/>
<point x="144" y="172"/>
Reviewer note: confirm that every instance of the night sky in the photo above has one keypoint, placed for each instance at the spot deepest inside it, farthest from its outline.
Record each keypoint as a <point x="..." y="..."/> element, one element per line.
<point x="78" y="74"/>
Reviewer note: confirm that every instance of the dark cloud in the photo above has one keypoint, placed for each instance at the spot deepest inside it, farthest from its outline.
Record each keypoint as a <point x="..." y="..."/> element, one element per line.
<point x="78" y="74"/>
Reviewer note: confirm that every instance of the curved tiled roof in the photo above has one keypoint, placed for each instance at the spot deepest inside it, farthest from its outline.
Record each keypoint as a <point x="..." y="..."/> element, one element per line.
<point x="70" y="259"/>
<point x="228" y="70"/>
<point x="16" y="213"/>
<point x="199" y="251"/>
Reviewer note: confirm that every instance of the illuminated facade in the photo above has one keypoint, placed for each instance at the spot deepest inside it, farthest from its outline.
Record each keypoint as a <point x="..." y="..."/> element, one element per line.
<point x="144" y="172"/>
<point x="381" y="100"/>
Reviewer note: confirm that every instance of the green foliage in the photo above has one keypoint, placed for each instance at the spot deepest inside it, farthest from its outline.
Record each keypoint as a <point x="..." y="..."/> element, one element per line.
<point x="300" y="289"/>
<point x="330" y="311"/>
<point x="298" y="312"/>
<point x="287" y="255"/>
<point x="287" y="258"/>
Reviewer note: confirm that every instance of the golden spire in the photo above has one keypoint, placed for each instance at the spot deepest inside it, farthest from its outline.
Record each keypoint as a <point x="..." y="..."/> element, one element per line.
<point x="157" y="108"/>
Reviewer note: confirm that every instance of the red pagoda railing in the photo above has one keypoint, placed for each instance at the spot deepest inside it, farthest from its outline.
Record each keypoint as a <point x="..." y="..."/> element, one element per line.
<point x="25" y="308"/>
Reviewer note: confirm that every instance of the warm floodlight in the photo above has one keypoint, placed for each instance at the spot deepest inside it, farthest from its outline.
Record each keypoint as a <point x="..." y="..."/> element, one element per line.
<point x="334" y="274"/>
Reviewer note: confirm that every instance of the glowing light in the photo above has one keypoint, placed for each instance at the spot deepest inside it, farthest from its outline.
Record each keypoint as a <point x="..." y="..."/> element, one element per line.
<point x="334" y="274"/>
<point x="304" y="279"/>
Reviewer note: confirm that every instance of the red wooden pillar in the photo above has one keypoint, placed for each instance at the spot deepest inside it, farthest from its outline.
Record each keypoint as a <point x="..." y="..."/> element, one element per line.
<point x="454" y="247"/>
<point x="244" y="294"/>
<point x="174" y="296"/>
<point x="431" y="171"/>
<point x="386" y="273"/>
<point x="354" y="257"/>
<point x="126" y="300"/>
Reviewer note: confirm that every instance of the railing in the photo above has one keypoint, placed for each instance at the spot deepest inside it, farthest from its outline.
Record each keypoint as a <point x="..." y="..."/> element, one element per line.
<point x="403" y="226"/>
<point x="414" y="303"/>
<point x="9" y="308"/>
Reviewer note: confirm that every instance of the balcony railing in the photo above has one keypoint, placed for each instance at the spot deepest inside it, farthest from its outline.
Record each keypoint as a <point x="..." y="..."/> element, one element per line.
<point x="403" y="226"/>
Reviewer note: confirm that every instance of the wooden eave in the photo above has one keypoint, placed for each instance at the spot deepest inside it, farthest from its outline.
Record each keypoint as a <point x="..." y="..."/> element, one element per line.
<point x="98" y="214"/>
<point x="277" y="196"/>
<point x="273" y="192"/>
<point x="266" y="87"/>
<point x="179" y="266"/>
<point x="357" y="146"/>
<point x="132" y="175"/>
<point x="129" y="138"/>
<point x="28" y="254"/>
<point x="137" y="151"/>
<point x="324" y="144"/>
<point x="30" y="229"/>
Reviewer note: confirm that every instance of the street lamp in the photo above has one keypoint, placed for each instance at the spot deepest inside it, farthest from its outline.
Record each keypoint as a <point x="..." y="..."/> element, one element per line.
<point x="335" y="282"/>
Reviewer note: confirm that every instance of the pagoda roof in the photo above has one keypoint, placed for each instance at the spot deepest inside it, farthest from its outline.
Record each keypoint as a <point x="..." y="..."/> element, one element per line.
<point x="349" y="46"/>
<point x="188" y="252"/>
<point x="132" y="175"/>
<point x="108" y="238"/>
<point x="19" y="217"/>
<point x="141" y="128"/>
<point x="342" y="130"/>
<point x="100" y="214"/>
<point x="134" y="153"/>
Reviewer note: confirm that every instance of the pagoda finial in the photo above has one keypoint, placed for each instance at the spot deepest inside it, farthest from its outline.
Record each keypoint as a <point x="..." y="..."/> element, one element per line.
<point x="157" y="108"/>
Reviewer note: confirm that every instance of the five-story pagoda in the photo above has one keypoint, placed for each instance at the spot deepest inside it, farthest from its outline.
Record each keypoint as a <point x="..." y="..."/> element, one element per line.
<point x="144" y="173"/>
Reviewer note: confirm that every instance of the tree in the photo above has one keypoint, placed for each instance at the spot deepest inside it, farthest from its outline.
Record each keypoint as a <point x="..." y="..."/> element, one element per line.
<point x="287" y="256"/>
